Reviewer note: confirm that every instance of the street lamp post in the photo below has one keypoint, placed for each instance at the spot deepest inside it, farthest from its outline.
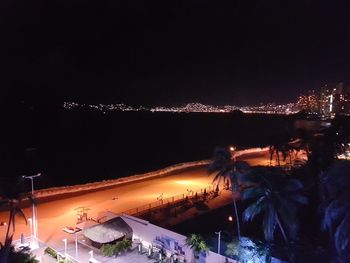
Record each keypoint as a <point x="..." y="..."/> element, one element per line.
<point x="65" y="246"/>
<point x="31" y="226"/>
<point x="219" y="238"/>
<point x="160" y="198"/>
<point x="76" y="246"/>
<point x="35" y="222"/>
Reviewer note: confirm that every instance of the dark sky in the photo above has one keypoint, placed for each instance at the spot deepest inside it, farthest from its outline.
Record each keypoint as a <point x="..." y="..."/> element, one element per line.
<point x="164" y="52"/>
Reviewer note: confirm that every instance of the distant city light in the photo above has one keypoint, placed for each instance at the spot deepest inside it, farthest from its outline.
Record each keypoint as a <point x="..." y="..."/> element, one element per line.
<point x="325" y="103"/>
<point x="269" y="108"/>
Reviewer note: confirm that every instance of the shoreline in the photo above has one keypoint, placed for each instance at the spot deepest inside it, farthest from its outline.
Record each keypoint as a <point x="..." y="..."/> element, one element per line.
<point x="54" y="193"/>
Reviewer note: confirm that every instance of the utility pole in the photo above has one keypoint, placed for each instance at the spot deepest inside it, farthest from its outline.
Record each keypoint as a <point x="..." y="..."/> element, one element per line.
<point x="219" y="238"/>
<point x="35" y="222"/>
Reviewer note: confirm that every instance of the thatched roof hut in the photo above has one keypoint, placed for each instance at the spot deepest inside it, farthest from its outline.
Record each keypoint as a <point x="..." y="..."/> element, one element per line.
<point x="108" y="232"/>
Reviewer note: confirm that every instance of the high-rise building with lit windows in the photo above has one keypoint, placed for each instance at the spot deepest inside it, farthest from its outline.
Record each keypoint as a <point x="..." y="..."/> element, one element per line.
<point x="309" y="102"/>
<point x="334" y="99"/>
<point x="328" y="101"/>
<point x="325" y="104"/>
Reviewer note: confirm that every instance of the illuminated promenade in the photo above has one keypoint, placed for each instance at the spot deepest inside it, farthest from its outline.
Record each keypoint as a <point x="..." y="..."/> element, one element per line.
<point x="54" y="215"/>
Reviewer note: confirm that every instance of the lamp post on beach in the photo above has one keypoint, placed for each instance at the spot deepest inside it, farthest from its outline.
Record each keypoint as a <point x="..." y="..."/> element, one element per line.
<point x="30" y="225"/>
<point x="219" y="238"/>
<point x="160" y="198"/>
<point x="35" y="222"/>
<point x="76" y="245"/>
<point x="65" y="245"/>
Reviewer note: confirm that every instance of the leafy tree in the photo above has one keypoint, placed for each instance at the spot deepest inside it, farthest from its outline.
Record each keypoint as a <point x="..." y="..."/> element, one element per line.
<point x="124" y="245"/>
<point x="114" y="249"/>
<point x="278" y="145"/>
<point x="197" y="244"/>
<point x="9" y="254"/>
<point x="276" y="196"/>
<point x="228" y="169"/>
<point x="10" y="199"/>
<point x="252" y="251"/>
<point x="107" y="250"/>
<point x="336" y="207"/>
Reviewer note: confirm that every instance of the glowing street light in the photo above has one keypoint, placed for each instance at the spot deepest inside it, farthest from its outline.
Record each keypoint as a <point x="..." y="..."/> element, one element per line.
<point x="230" y="218"/>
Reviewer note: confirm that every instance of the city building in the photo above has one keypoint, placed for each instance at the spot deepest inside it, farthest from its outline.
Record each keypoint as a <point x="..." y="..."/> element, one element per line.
<point x="331" y="99"/>
<point x="334" y="99"/>
<point x="309" y="102"/>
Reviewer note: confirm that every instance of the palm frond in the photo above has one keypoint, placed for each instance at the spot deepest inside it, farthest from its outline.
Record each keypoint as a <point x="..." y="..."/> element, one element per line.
<point x="242" y="166"/>
<point x="252" y="192"/>
<point x="292" y="185"/>
<point x="20" y="212"/>
<point x="342" y="235"/>
<point x="254" y="209"/>
<point x="299" y="198"/>
<point x="269" y="223"/>
<point x="288" y="217"/>
<point x="333" y="212"/>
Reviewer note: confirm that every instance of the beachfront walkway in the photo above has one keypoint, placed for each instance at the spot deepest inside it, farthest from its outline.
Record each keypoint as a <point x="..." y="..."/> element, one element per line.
<point x="83" y="255"/>
<point x="130" y="257"/>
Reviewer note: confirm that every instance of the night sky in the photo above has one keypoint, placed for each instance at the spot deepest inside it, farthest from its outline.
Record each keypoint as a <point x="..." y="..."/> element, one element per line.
<point x="164" y="52"/>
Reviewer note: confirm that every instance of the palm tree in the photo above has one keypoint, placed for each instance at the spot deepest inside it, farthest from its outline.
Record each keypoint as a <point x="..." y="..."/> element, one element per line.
<point x="10" y="199"/>
<point x="255" y="251"/>
<point x="197" y="244"/>
<point x="229" y="170"/>
<point x="276" y="197"/>
<point x="336" y="206"/>
<point x="13" y="255"/>
<point x="273" y="149"/>
<point x="278" y="145"/>
<point x="278" y="149"/>
<point x="336" y="220"/>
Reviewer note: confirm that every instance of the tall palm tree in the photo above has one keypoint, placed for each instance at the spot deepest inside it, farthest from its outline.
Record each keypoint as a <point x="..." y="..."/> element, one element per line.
<point x="197" y="244"/>
<point x="336" y="206"/>
<point x="229" y="170"/>
<point x="16" y="256"/>
<point x="273" y="149"/>
<point x="278" y="145"/>
<point x="278" y="149"/>
<point x="336" y="220"/>
<point x="276" y="196"/>
<point x="10" y="199"/>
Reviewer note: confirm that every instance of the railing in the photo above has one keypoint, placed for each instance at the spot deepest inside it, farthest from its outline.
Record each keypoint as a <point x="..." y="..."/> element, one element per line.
<point x="28" y="241"/>
<point x="175" y="200"/>
<point x="71" y="259"/>
<point x="60" y="257"/>
<point x="64" y="190"/>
